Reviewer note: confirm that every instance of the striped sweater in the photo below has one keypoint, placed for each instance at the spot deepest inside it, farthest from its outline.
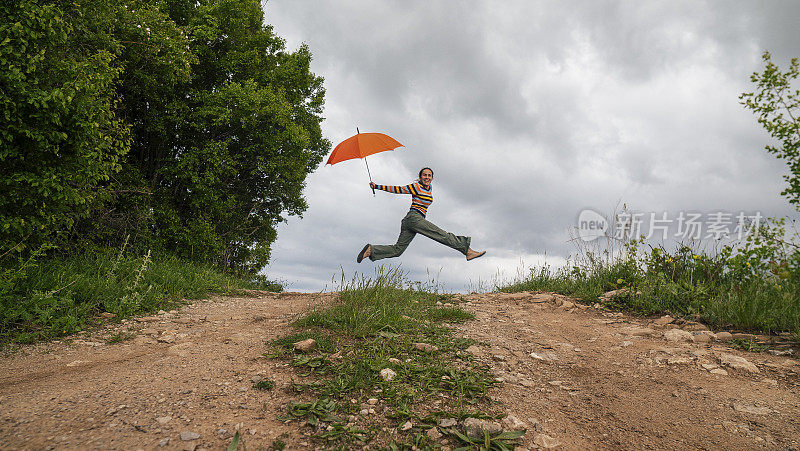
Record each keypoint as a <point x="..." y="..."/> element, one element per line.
<point x="421" y="198"/>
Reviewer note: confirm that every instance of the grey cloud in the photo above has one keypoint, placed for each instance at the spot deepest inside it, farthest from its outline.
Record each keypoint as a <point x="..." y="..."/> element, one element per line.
<point x="529" y="112"/>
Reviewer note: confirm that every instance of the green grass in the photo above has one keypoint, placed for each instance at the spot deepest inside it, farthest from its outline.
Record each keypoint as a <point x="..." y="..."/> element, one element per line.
<point x="61" y="295"/>
<point x="754" y="287"/>
<point x="265" y="384"/>
<point x="373" y="325"/>
<point x="119" y="337"/>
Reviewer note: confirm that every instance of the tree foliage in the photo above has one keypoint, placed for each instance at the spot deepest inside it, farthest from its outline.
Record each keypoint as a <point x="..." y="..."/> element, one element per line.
<point x="184" y="124"/>
<point x="61" y="137"/>
<point x="777" y="106"/>
<point x="226" y="152"/>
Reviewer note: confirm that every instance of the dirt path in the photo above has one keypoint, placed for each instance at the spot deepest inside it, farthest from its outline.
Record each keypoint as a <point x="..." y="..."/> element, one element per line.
<point x="586" y="378"/>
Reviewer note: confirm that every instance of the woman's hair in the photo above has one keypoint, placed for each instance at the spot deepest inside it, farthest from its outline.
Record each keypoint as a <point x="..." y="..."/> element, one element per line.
<point x="420" y="171"/>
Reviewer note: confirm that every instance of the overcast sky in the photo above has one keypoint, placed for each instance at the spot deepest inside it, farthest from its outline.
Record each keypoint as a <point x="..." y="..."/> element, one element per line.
<point x="528" y="112"/>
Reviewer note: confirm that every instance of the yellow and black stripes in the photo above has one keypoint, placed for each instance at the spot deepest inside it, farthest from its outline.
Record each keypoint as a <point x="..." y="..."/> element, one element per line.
<point x="421" y="198"/>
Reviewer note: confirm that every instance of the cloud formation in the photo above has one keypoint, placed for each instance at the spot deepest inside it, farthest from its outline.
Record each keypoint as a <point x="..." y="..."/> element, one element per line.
<point x="528" y="112"/>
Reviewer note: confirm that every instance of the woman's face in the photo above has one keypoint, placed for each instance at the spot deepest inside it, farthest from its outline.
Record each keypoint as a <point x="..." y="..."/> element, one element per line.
<point x="426" y="177"/>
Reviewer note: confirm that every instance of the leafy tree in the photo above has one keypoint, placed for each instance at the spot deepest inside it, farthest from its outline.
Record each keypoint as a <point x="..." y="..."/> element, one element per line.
<point x="60" y="136"/>
<point x="777" y="106"/>
<point x="183" y="123"/>
<point x="224" y="154"/>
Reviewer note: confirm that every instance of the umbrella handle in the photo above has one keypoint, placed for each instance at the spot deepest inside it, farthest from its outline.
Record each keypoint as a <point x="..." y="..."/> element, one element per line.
<point x="370" y="175"/>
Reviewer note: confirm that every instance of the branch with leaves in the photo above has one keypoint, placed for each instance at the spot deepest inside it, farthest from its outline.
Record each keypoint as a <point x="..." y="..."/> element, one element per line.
<point x="777" y="106"/>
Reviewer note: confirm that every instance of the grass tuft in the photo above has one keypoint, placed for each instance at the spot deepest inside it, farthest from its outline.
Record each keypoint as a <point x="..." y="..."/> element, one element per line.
<point x="374" y="325"/>
<point x="752" y="285"/>
<point x="61" y="295"/>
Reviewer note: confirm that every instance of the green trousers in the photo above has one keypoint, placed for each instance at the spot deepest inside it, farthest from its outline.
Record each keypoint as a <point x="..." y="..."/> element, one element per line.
<point x="413" y="224"/>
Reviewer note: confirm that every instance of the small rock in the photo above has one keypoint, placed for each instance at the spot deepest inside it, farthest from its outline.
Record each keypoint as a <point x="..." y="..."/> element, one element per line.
<point x="736" y="362"/>
<point x="747" y="408"/>
<point x="679" y="361"/>
<point x="305" y="345"/>
<point x="425" y="347"/>
<point x="434" y="433"/>
<point x="474" y="427"/>
<point x="709" y="366"/>
<point x="770" y="382"/>
<point x="474" y="350"/>
<point x="514" y="423"/>
<point x="163" y="442"/>
<point x="700" y="337"/>
<point x="166" y="338"/>
<point x="641" y="331"/>
<point x="163" y="420"/>
<point x="116" y="409"/>
<point x="546" y="442"/>
<point x="781" y="352"/>
<point x="108" y="315"/>
<point x="148" y="319"/>
<point x="625" y="344"/>
<point x="188" y="436"/>
<point x="222" y="432"/>
<point x="387" y="374"/>
<point x="692" y="326"/>
<point x="406" y="426"/>
<point x="663" y="321"/>
<point x="723" y="336"/>
<point x="566" y="305"/>
<point x="544" y="356"/>
<point x="372" y="401"/>
<point x="394" y="360"/>
<point x="676" y="335"/>
<point x="615" y="293"/>
<point x="447" y="422"/>
<point x="719" y="371"/>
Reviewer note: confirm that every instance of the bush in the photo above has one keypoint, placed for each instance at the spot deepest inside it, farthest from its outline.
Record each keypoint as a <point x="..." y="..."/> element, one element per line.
<point x="62" y="294"/>
<point x="752" y="285"/>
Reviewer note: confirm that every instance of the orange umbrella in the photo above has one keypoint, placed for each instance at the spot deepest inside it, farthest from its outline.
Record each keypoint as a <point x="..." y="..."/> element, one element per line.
<point x="360" y="146"/>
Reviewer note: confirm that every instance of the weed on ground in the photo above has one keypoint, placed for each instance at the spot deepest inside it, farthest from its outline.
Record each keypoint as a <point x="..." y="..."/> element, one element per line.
<point x="386" y="369"/>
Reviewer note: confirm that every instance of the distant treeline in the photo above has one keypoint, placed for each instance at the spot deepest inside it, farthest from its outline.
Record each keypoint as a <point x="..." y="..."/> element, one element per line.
<point x="183" y="126"/>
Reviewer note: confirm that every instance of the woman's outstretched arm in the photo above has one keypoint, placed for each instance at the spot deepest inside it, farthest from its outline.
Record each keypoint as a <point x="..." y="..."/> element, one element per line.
<point x="407" y="189"/>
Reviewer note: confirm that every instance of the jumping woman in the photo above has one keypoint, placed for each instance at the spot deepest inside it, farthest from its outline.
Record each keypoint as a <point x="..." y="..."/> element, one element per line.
<point x="415" y="222"/>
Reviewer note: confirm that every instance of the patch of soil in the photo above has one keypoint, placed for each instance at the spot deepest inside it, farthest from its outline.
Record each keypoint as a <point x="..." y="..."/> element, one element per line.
<point x="584" y="378"/>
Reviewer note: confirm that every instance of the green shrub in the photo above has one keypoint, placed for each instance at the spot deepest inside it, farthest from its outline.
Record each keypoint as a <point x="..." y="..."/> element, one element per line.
<point x="753" y="284"/>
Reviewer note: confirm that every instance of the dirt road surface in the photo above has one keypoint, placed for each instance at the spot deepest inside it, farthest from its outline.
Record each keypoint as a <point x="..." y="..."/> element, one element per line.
<point x="583" y="377"/>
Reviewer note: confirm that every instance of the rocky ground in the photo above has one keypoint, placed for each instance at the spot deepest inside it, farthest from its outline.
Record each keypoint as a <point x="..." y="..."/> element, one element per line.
<point x="574" y="376"/>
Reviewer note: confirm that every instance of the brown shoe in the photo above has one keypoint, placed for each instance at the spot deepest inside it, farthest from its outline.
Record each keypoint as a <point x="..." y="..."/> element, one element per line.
<point x="364" y="253"/>
<point x="471" y="255"/>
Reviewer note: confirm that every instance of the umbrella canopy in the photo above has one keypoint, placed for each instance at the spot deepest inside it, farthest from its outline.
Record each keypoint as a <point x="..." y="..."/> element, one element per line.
<point x="361" y="145"/>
